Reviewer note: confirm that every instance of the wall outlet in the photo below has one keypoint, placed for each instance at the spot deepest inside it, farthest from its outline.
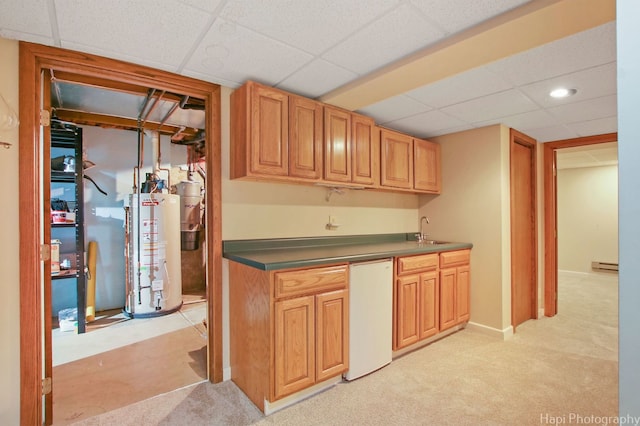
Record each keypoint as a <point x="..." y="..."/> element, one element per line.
<point x="332" y="224"/>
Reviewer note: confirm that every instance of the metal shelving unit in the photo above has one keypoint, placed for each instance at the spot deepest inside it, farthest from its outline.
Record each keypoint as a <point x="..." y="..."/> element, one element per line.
<point x="67" y="186"/>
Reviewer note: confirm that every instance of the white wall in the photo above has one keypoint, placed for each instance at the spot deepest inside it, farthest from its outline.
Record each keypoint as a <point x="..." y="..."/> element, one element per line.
<point x="587" y="217"/>
<point x="9" y="259"/>
<point x="474" y="207"/>
<point x="628" y="36"/>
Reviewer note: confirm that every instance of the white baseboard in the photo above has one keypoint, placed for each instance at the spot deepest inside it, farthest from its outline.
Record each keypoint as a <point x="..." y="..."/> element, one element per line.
<point x="272" y="407"/>
<point x="490" y="331"/>
<point x="226" y="374"/>
<point x="613" y="276"/>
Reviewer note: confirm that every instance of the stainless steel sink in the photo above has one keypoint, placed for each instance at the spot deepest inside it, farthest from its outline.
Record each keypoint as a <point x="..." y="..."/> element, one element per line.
<point x="433" y="242"/>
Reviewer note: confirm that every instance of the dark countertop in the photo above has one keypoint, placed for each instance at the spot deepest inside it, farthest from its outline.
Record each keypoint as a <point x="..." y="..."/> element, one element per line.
<point x="272" y="254"/>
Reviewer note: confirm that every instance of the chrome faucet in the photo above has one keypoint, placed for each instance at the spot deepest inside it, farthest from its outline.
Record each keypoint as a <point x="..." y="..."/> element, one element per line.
<point x="423" y="236"/>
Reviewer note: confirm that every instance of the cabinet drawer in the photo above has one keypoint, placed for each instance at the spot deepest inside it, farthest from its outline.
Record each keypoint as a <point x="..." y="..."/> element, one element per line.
<point x="305" y="281"/>
<point x="417" y="263"/>
<point x="453" y="258"/>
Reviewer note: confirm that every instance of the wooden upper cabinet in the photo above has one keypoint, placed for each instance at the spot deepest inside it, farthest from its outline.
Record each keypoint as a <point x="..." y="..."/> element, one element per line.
<point x="259" y="131"/>
<point x="337" y="145"/>
<point x="269" y="135"/>
<point x="279" y="136"/>
<point x="426" y="166"/>
<point x="305" y="138"/>
<point x="366" y="150"/>
<point x="396" y="160"/>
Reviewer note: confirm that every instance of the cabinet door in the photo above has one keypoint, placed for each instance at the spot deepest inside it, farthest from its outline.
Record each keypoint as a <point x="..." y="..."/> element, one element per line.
<point x="294" y="345"/>
<point x="426" y="166"/>
<point x="305" y="138"/>
<point x="429" y="302"/>
<point x="407" y="324"/>
<point x="366" y="148"/>
<point x="448" y="315"/>
<point x="269" y="132"/>
<point x="332" y="334"/>
<point x="337" y="145"/>
<point x="396" y="160"/>
<point x="463" y="281"/>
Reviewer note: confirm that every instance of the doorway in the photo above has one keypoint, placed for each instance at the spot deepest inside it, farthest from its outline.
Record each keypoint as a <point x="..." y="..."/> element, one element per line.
<point x="34" y="60"/>
<point x="523" y="229"/>
<point x="551" y="213"/>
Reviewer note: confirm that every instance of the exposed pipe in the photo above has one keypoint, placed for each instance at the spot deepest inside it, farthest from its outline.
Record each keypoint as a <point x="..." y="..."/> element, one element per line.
<point x="159" y="161"/>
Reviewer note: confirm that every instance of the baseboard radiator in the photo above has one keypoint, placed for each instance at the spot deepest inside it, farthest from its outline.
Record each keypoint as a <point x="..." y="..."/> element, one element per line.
<point x="604" y="266"/>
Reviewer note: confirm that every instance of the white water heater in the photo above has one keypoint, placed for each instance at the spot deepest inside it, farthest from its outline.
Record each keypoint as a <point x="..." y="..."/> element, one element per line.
<point x="154" y="255"/>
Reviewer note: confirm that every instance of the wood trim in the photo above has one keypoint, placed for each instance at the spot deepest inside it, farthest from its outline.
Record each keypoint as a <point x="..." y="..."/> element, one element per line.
<point x="551" y="214"/>
<point x="522" y="139"/>
<point x="33" y="59"/>
<point x="30" y="238"/>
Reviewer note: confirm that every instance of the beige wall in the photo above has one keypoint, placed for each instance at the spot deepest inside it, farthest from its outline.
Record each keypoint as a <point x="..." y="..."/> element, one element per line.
<point x="587" y="217"/>
<point x="474" y="207"/>
<point x="9" y="260"/>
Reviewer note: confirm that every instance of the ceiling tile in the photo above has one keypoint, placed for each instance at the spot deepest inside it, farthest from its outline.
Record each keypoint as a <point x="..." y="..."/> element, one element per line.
<point x="396" y="34"/>
<point x="459" y="88"/>
<point x="162" y="33"/>
<point x="17" y="35"/>
<point x="456" y="15"/>
<point x="579" y="51"/>
<point x="231" y="52"/>
<point x="394" y="109"/>
<point x="590" y="83"/>
<point x="591" y="109"/>
<point x="525" y="121"/>
<point x="310" y="25"/>
<point x="553" y="133"/>
<point x="595" y="127"/>
<point x="316" y="78"/>
<point x="425" y="124"/>
<point x="490" y="107"/>
<point x="30" y="17"/>
<point x="207" y="5"/>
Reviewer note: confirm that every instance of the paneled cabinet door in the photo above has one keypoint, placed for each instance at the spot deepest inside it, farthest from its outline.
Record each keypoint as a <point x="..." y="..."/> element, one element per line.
<point x="366" y="150"/>
<point x="294" y="345"/>
<point x="337" y="145"/>
<point x="448" y="315"/>
<point x="426" y="166"/>
<point x="463" y="305"/>
<point x="305" y="138"/>
<point x="269" y="144"/>
<point x="407" y="323"/>
<point x="332" y="334"/>
<point x="396" y="160"/>
<point x="429" y="300"/>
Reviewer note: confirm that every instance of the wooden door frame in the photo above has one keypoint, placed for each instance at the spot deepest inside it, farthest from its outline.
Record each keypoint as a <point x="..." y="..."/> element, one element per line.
<point x="551" y="213"/>
<point x="522" y="139"/>
<point x="33" y="59"/>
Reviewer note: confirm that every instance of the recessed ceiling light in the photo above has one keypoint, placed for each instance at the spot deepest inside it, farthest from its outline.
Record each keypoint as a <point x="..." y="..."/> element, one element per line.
<point x="562" y="92"/>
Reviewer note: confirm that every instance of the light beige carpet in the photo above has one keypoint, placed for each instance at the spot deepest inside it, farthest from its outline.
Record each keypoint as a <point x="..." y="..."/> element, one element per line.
<point x="552" y="369"/>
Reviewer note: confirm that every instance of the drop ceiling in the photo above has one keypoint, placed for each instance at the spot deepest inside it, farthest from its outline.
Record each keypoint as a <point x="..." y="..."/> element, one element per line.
<point x="426" y="67"/>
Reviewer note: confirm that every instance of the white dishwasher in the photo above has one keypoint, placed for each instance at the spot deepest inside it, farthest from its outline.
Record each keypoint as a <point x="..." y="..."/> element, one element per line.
<point x="370" y="316"/>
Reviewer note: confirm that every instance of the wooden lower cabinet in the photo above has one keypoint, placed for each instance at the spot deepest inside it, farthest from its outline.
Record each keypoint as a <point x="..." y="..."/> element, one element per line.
<point x="429" y="299"/>
<point x="288" y="329"/>
<point x="416" y="299"/>
<point x="455" y="289"/>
